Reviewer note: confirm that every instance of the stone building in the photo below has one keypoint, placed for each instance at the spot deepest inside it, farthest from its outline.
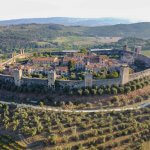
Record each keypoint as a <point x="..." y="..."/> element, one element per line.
<point x="138" y="49"/>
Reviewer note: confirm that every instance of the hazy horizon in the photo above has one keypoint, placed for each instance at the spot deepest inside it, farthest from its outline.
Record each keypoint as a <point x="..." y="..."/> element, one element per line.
<point x="132" y="20"/>
<point x="133" y="10"/>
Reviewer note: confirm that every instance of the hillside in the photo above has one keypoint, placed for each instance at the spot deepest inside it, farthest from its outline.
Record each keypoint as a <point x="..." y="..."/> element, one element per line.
<point x="68" y="21"/>
<point x="139" y="30"/>
<point x="45" y="35"/>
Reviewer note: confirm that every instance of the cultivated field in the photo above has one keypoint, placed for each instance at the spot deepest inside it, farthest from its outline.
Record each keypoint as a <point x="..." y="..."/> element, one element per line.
<point x="49" y="130"/>
<point x="74" y="40"/>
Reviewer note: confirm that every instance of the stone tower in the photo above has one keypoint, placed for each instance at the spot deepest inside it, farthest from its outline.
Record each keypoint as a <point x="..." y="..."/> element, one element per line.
<point x="88" y="80"/>
<point x="21" y="51"/>
<point x="17" y="74"/>
<point x="124" y="74"/>
<point x="125" y="47"/>
<point x="138" y="50"/>
<point x="51" y="79"/>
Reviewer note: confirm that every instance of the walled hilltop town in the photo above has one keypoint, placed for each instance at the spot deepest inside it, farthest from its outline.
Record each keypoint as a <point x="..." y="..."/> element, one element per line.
<point x="73" y="99"/>
<point x="75" y="69"/>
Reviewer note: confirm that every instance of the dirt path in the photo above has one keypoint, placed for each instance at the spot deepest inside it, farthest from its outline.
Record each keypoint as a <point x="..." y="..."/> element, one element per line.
<point x="142" y="105"/>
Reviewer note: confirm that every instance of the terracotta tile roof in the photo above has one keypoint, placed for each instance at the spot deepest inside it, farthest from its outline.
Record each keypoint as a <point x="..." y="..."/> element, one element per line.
<point x="65" y="69"/>
<point x="49" y="59"/>
<point x="92" y="66"/>
<point x="67" y="59"/>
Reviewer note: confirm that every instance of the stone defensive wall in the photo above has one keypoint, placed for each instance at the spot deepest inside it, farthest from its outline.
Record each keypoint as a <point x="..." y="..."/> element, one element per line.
<point x="143" y="58"/>
<point x="81" y="83"/>
<point x="13" y="59"/>
<point x="140" y="57"/>
<point x="111" y="52"/>
<point x="71" y="83"/>
<point x="51" y="81"/>
<point x="34" y="81"/>
<point x="62" y="83"/>
<point x="139" y="75"/>
<point x="105" y="82"/>
<point x="26" y="81"/>
<point x="7" y="78"/>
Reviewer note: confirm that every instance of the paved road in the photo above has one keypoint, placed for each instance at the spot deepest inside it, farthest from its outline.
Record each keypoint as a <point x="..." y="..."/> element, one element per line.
<point x="142" y="105"/>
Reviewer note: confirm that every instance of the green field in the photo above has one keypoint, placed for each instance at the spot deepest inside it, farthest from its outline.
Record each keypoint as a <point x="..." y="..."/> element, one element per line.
<point x="76" y="40"/>
<point x="146" y="52"/>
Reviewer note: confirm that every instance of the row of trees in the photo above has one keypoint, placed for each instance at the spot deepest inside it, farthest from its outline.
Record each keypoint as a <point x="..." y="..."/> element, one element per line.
<point x="63" y="128"/>
<point x="114" y="89"/>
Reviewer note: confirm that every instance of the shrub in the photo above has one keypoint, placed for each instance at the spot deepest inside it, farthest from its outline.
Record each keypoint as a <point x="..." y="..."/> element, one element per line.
<point x="121" y="90"/>
<point x="115" y="99"/>
<point x="65" y="139"/>
<point x="71" y="93"/>
<point x="142" y="84"/>
<point x="100" y="91"/>
<point x="86" y="92"/>
<point x="53" y="139"/>
<point x="108" y="90"/>
<point x="80" y="92"/>
<point x="138" y="86"/>
<point x="114" y="91"/>
<point x="146" y="82"/>
<point x="139" y="98"/>
<point x="133" y="87"/>
<point x="94" y="91"/>
<point x="127" y="89"/>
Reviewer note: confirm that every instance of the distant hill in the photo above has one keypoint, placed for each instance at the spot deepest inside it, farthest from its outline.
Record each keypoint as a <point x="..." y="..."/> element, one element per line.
<point x="30" y="35"/>
<point x="68" y="21"/>
<point x="139" y="30"/>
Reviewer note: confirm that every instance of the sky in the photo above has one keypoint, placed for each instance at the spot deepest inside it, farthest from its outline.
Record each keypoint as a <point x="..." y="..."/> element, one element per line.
<point x="128" y="9"/>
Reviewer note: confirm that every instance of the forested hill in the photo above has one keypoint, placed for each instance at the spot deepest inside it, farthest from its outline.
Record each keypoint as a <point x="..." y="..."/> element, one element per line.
<point x="27" y="36"/>
<point x="139" y="30"/>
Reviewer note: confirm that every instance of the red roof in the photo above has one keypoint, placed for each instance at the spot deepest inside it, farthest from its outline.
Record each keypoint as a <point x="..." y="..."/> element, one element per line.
<point x="50" y="59"/>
